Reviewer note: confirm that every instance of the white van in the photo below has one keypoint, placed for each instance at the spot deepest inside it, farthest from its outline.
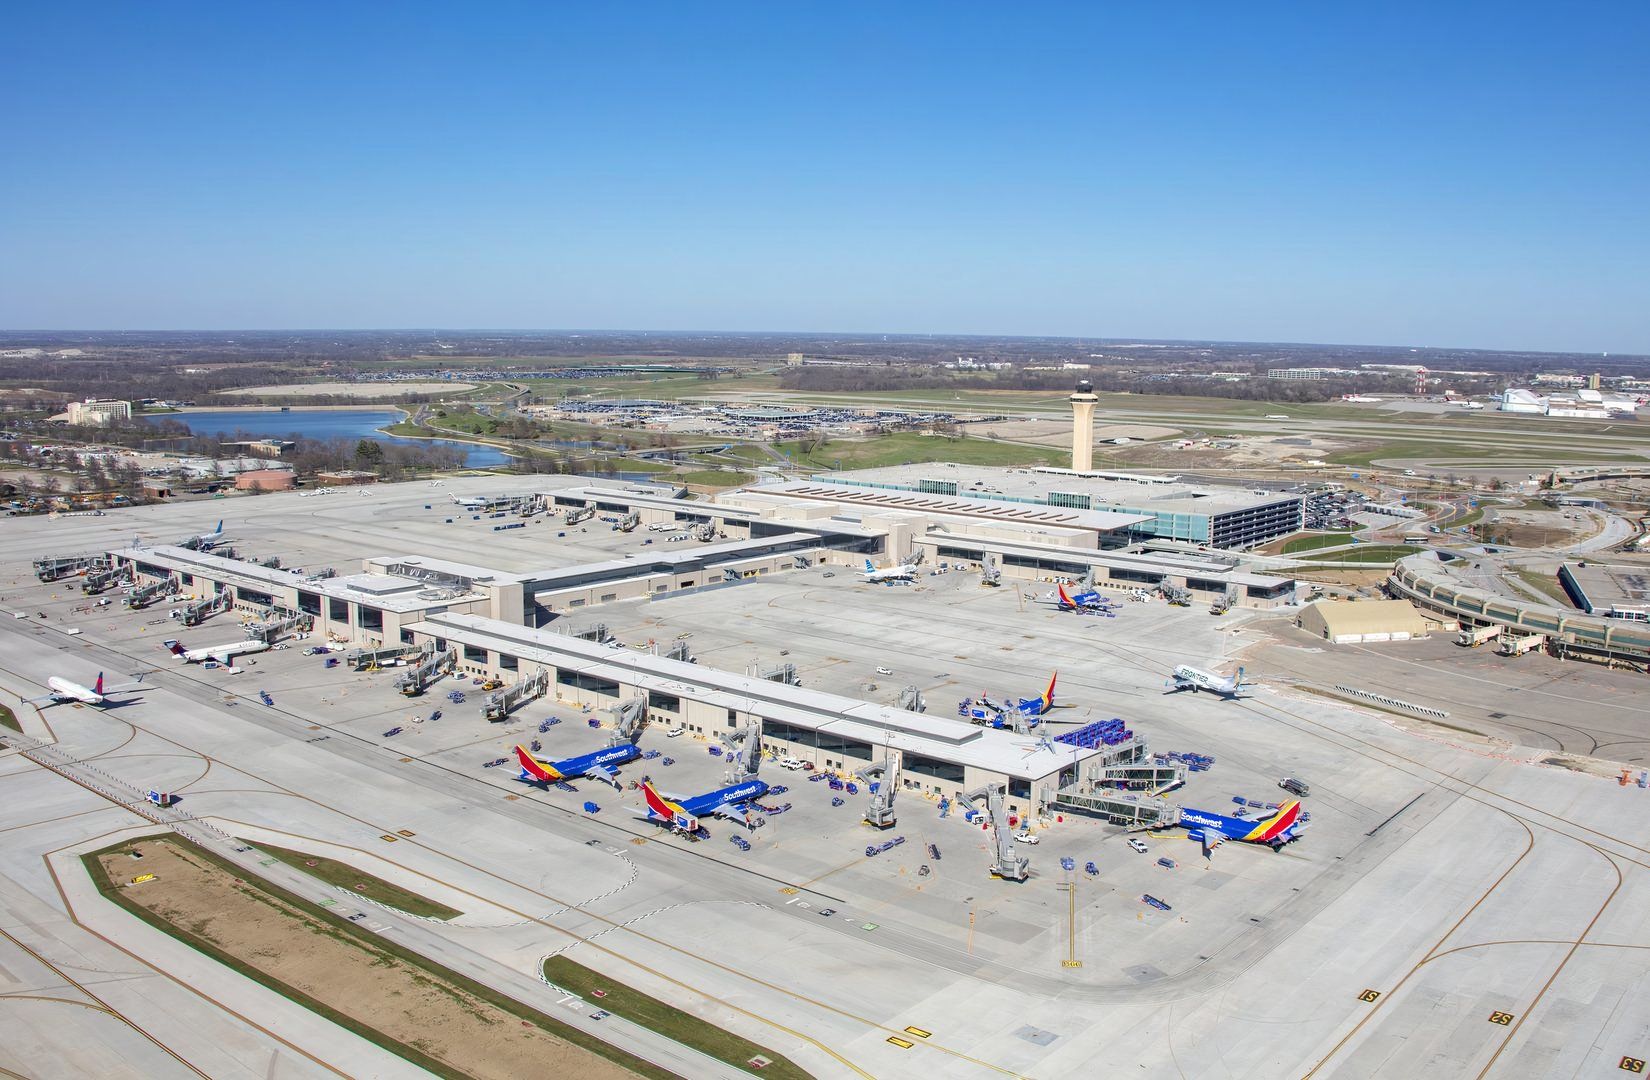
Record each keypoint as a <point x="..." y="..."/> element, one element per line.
<point x="791" y="763"/>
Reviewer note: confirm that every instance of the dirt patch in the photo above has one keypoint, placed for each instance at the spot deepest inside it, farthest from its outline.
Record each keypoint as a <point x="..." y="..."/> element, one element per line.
<point x="350" y="976"/>
<point x="1535" y="528"/>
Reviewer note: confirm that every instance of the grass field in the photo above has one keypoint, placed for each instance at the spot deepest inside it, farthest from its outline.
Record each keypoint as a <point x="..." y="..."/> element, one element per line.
<point x="1546" y="583"/>
<point x="1508" y="452"/>
<point x="667" y="1020"/>
<point x="7" y="719"/>
<point x="1313" y="542"/>
<point x="907" y="447"/>
<point x="359" y="881"/>
<point x="1378" y="554"/>
<point x="471" y="423"/>
<point x="387" y="957"/>
<point x="715" y="478"/>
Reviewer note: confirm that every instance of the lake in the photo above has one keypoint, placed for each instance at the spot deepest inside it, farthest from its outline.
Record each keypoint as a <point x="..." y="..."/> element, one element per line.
<point x="322" y="424"/>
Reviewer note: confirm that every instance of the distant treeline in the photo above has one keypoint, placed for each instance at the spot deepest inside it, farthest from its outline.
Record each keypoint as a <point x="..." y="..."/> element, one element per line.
<point x="914" y="377"/>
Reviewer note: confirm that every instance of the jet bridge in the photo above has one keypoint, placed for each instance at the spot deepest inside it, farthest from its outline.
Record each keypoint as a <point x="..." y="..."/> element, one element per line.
<point x="56" y="567"/>
<point x="784" y="673"/>
<point x="679" y="651"/>
<point x="1133" y="812"/>
<point x="499" y="705"/>
<point x="911" y="700"/>
<point x="372" y="659"/>
<point x="206" y="607"/>
<point x="883" y="780"/>
<point x="597" y="633"/>
<point x="96" y="581"/>
<point x="630" y="521"/>
<point x="145" y="595"/>
<point x="576" y="514"/>
<point x="280" y="621"/>
<point x="418" y="680"/>
<point x="1010" y="865"/>
<point x="990" y="574"/>
<point x="631" y="716"/>
<point x="744" y="753"/>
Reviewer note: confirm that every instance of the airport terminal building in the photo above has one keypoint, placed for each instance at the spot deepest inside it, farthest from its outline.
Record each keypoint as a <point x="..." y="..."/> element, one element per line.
<point x="1220" y="516"/>
<point x="937" y="756"/>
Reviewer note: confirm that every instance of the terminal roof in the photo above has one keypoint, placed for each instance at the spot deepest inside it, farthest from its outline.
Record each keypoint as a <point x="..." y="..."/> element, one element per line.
<point x="954" y="741"/>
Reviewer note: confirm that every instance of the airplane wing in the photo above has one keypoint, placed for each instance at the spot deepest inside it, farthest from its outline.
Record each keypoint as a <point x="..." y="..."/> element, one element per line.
<point x="602" y="772"/>
<point x="730" y="810"/>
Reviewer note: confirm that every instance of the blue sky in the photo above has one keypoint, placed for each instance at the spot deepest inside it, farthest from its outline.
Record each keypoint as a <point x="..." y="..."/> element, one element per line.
<point x="1463" y="174"/>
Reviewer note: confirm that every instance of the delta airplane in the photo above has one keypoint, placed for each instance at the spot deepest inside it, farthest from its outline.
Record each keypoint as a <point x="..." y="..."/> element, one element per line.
<point x="1085" y="603"/>
<point x="63" y="691"/>
<point x="683" y="814"/>
<point x="539" y="771"/>
<point x="893" y="573"/>
<point x="223" y="654"/>
<point x="1186" y="677"/>
<point x="1281" y="828"/>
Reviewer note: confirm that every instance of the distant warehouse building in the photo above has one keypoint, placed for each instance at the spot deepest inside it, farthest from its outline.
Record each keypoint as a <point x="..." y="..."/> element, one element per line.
<point x="1362" y="622"/>
<point x="266" y="480"/>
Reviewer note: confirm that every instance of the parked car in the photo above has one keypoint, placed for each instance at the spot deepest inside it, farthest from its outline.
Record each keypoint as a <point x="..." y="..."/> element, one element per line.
<point x="1138" y="845"/>
<point x="790" y="763"/>
<point x="673" y="733"/>
<point x="1026" y="837"/>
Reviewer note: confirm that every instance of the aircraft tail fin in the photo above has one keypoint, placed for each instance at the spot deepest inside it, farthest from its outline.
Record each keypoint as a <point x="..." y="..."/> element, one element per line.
<point x="661" y="806"/>
<point x="531" y="766"/>
<point x="176" y="647"/>
<point x="868" y="567"/>
<point x="97" y="687"/>
<point x="1064" y="599"/>
<point x="1048" y="695"/>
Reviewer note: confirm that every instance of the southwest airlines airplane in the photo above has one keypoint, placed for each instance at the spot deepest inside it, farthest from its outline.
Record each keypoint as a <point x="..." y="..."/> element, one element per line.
<point x="539" y="771"/>
<point x="1281" y="828"/>
<point x="1085" y="603"/>
<point x="683" y="814"/>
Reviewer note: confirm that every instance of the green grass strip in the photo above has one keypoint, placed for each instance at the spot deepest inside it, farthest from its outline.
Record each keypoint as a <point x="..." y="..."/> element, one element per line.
<point x="1312" y="543"/>
<point x="1377" y="554"/>
<point x="671" y="1022"/>
<point x="348" y="877"/>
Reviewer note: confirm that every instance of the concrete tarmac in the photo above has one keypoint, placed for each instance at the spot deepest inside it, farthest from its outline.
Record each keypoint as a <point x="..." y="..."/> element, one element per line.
<point x="1440" y="883"/>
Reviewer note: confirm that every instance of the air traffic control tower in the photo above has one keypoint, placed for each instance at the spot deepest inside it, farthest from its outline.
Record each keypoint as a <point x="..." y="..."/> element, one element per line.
<point x="1082" y="427"/>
